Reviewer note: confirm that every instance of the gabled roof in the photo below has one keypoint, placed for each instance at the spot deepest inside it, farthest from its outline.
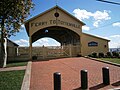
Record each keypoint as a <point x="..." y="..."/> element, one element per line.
<point x="12" y="42"/>
<point x="52" y="9"/>
<point x="27" y="22"/>
<point x="96" y="37"/>
<point x="8" y="40"/>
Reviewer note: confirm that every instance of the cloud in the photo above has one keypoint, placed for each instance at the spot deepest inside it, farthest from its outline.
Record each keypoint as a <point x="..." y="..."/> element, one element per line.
<point x="115" y="41"/>
<point x="46" y="42"/>
<point x="97" y="16"/>
<point x="22" y="28"/>
<point x="86" y="28"/>
<point x="82" y="14"/>
<point x="115" y="36"/>
<point x="22" y="42"/>
<point x="116" y="24"/>
<point x="96" y="23"/>
<point x="113" y="44"/>
<point x="41" y="42"/>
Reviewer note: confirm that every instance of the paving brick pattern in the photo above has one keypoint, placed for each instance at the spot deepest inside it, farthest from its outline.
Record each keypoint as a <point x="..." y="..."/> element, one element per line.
<point x="42" y="74"/>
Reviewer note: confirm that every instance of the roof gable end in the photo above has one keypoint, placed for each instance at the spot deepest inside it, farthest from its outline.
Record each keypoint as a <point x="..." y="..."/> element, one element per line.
<point x="52" y="9"/>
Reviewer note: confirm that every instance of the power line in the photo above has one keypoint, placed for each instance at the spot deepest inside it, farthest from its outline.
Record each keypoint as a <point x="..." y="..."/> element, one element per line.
<point x="109" y="2"/>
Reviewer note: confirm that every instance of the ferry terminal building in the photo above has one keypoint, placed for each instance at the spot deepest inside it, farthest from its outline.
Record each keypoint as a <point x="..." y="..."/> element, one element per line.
<point x="60" y="25"/>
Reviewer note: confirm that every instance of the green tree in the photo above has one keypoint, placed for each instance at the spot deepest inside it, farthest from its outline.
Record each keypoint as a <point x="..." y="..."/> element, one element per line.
<point x="12" y="16"/>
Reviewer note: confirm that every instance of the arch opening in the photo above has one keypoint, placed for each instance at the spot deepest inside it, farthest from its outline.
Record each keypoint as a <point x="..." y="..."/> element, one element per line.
<point x="46" y="41"/>
<point x="69" y="42"/>
<point x="63" y="35"/>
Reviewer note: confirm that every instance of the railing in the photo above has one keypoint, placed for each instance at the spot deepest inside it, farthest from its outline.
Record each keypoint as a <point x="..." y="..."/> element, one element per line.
<point x="43" y="52"/>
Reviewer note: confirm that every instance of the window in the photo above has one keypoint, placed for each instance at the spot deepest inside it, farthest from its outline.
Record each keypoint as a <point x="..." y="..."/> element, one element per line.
<point x="105" y="46"/>
<point x="92" y="43"/>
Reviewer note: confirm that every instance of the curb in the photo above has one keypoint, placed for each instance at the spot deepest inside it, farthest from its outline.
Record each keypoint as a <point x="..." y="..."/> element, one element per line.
<point x="103" y="61"/>
<point x="26" y="80"/>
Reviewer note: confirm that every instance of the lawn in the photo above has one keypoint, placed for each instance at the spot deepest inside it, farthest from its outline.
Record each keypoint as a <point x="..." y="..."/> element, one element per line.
<point x="11" y="80"/>
<point x="114" y="60"/>
<point x="14" y="64"/>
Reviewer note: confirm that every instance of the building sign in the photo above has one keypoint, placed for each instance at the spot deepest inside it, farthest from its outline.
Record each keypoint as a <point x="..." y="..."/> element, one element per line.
<point x="92" y="43"/>
<point x="55" y="22"/>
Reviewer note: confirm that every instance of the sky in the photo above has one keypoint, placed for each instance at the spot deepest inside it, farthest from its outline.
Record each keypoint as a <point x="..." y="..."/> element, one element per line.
<point x="101" y="19"/>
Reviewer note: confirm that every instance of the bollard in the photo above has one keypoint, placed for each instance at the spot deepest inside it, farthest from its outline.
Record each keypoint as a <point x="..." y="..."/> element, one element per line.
<point x="106" y="76"/>
<point x="84" y="79"/>
<point x="57" y="81"/>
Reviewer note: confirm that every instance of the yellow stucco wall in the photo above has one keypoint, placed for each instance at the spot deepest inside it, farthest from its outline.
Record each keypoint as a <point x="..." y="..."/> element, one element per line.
<point x="86" y="50"/>
<point x="47" y="19"/>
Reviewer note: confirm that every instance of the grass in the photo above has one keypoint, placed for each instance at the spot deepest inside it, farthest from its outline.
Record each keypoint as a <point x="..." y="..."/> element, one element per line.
<point x="14" y="64"/>
<point x="114" y="60"/>
<point x="11" y="80"/>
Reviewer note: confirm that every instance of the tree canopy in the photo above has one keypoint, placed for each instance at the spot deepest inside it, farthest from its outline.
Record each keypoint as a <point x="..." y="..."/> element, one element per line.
<point x="12" y="16"/>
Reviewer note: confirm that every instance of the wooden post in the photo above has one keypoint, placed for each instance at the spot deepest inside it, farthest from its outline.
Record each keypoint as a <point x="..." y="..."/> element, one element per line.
<point x="44" y="52"/>
<point x="80" y="46"/>
<point x="30" y="47"/>
<point x="70" y="50"/>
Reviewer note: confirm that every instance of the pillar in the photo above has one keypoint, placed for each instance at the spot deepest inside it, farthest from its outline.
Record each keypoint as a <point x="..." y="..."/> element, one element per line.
<point x="70" y="50"/>
<point x="80" y="46"/>
<point x="30" y="47"/>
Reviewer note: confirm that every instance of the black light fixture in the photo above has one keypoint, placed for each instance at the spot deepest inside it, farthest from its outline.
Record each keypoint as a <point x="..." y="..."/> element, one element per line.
<point x="46" y="31"/>
<point x="56" y="14"/>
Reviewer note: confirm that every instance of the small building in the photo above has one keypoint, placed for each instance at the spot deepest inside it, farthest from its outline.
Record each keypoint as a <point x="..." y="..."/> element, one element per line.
<point x="12" y="48"/>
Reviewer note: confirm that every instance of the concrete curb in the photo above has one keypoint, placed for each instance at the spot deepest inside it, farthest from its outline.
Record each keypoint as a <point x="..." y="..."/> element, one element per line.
<point x="103" y="61"/>
<point x="26" y="80"/>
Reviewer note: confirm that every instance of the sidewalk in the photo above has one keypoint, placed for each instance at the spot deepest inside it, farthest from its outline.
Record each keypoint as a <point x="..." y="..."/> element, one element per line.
<point x="13" y="68"/>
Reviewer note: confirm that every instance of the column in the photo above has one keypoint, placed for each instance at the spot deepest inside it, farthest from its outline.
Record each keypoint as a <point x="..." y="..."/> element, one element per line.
<point x="30" y="47"/>
<point x="80" y="46"/>
<point x="70" y="50"/>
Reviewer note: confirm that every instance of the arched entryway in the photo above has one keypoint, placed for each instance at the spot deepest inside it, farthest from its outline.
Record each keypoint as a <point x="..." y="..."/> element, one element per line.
<point x="58" y="24"/>
<point x="69" y="40"/>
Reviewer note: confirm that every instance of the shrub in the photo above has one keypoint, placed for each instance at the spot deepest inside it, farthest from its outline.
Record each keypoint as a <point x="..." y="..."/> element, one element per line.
<point x="90" y="55"/>
<point x="79" y="55"/>
<point x="101" y="55"/>
<point x="94" y="55"/>
<point x="34" y="57"/>
<point x="115" y="54"/>
<point x="109" y="54"/>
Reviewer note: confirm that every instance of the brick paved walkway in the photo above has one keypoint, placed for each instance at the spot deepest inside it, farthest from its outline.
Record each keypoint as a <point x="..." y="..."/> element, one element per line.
<point x="42" y="74"/>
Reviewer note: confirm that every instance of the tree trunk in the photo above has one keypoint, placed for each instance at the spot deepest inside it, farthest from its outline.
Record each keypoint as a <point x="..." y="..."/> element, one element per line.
<point x="2" y="50"/>
<point x="5" y="54"/>
<point x="3" y="58"/>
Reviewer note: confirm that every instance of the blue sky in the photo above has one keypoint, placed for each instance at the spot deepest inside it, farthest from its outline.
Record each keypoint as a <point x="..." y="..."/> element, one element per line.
<point x="101" y="19"/>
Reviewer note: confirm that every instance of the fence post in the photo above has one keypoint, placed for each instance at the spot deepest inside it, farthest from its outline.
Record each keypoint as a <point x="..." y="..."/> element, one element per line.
<point x="84" y="79"/>
<point x="70" y="50"/>
<point x="57" y="81"/>
<point x="106" y="76"/>
<point x="44" y="52"/>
